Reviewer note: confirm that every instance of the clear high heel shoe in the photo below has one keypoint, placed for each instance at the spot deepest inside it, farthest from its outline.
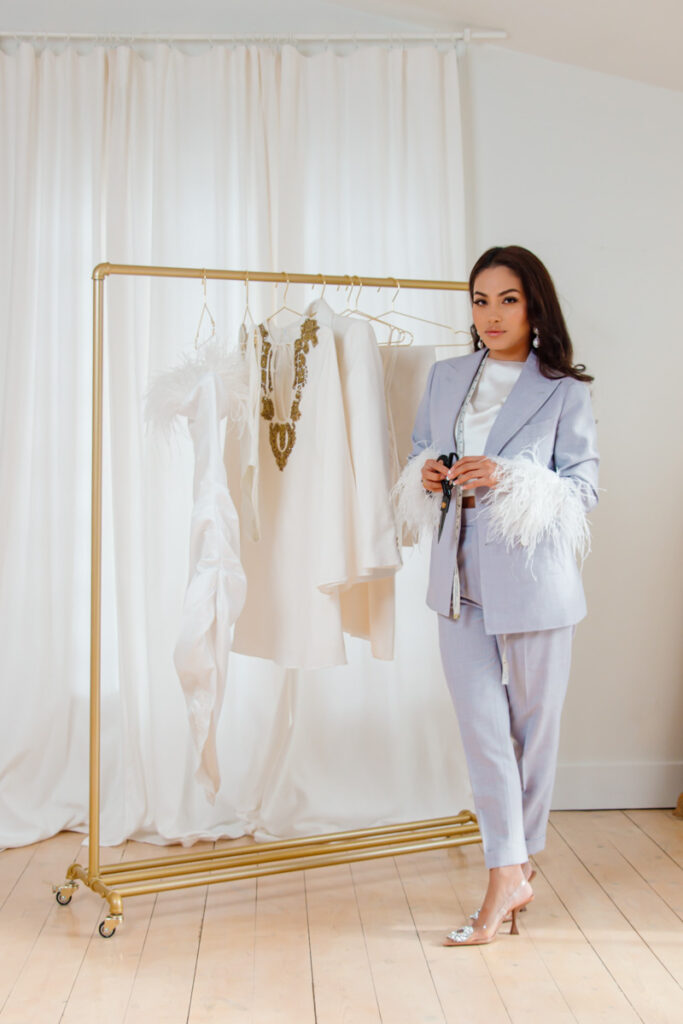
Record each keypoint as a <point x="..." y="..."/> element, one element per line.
<point x="530" y="877"/>
<point x="480" y="935"/>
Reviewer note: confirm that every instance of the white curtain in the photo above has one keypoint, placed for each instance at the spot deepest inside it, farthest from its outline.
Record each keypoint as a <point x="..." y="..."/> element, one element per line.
<point x="235" y="157"/>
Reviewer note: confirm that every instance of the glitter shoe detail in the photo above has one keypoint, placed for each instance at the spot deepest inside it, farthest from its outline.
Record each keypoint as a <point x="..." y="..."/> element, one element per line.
<point x="485" y="933"/>
<point x="461" y="934"/>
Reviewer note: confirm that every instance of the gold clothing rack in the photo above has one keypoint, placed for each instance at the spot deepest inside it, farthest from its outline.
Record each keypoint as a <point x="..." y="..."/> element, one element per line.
<point x="115" y="882"/>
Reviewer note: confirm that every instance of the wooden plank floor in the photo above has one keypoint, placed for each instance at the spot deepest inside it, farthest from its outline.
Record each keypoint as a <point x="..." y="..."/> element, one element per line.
<point x="360" y="944"/>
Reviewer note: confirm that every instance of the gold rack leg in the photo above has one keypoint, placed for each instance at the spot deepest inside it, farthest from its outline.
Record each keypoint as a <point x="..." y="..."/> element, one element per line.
<point x="96" y="580"/>
<point x="78" y="873"/>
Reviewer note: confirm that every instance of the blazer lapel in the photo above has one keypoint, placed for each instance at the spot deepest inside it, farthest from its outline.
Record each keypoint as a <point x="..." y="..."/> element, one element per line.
<point x="531" y="390"/>
<point x="456" y="384"/>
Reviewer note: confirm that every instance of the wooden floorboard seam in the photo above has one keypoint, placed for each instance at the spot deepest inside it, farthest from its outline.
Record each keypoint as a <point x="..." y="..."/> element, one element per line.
<point x="645" y="945"/>
<point x="630" y="923"/>
<point x="76" y="974"/>
<point x="597" y="882"/>
<point x="26" y="959"/>
<point x="419" y="939"/>
<point x="634" y="927"/>
<point x="365" y="944"/>
<point x="18" y="878"/>
<point x="627" y="815"/>
<point x="539" y="954"/>
<point x="583" y="933"/>
<point x="196" y="956"/>
<point x="310" y="950"/>
<point x="488" y="968"/>
<point x="254" y="926"/>
<point x="93" y="933"/>
<point x="139" y="961"/>
<point x="650" y="885"/>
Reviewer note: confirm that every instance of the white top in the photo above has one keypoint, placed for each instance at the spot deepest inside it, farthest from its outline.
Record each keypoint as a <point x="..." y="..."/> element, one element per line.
<point x="406" y="368"/>
<point x="207" y="388"/>
<point x="496" y="382"/>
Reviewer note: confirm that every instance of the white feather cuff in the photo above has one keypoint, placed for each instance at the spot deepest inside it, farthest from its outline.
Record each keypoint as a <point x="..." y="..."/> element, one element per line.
<point x="417" y="510"/>
<point x="531" y="503"/>
<point x="169" y="393"/>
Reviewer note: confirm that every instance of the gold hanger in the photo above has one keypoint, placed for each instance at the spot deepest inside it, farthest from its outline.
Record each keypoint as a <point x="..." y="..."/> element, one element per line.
<point x="349" y="292"/>
<point x="205" y="311"/>
<point x="432" y="323"/>
<point x="247" y="328"/>
<point x="397" y="335"/>
<point x="284" y="307"/>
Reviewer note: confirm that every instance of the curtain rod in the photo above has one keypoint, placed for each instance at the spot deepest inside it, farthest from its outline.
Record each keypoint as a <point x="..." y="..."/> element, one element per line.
<point x="467" y="35"/>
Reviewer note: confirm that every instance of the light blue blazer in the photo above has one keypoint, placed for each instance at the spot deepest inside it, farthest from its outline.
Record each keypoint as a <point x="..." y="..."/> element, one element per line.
<point x="555" y="417"/>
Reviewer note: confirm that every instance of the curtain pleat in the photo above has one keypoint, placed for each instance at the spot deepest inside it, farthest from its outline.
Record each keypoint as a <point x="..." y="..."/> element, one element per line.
<point x="243" y="157"/>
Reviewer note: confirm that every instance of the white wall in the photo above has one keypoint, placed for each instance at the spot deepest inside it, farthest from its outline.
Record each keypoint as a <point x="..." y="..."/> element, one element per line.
<point x="585" y="169"/>
<point x="200" y="18"/>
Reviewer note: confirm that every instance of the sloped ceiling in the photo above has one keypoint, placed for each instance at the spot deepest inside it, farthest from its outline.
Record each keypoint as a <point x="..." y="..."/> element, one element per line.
<point x="639" y="40"/>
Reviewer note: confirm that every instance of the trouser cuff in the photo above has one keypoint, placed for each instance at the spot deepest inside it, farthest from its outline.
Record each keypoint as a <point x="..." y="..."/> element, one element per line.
<point x="502" y="856"/>
<point x="536" y="844"/>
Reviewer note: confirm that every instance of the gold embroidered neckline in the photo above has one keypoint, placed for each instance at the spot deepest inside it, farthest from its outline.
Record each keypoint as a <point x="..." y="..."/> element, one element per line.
<point x="282" y="434"/>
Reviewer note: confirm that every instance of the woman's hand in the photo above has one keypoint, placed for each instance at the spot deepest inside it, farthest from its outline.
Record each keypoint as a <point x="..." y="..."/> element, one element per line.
<point x="433" y="473"/>
<point x="473" y="471"/>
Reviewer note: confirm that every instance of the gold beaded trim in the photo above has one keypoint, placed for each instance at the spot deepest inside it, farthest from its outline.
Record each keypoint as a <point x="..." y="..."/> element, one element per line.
<point x="283" y="435"/>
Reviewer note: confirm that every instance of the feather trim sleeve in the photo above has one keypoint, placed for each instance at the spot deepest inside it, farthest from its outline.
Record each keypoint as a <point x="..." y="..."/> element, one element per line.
<point x="170" y="394"/>
<point x="417" y="510"/>
<point x="531" y="503"/>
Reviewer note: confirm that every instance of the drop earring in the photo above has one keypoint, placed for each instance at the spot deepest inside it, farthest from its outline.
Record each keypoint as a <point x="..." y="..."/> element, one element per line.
<point x="478" y="343"/>
<point x="535" y="338"/>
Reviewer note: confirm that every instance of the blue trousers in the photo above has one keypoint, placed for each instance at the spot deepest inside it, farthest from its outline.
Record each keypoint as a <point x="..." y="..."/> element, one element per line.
<point x="510" y="731"/>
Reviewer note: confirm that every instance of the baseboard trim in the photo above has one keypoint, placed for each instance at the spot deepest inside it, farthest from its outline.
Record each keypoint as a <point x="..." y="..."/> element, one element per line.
<point x="586" y="787"/>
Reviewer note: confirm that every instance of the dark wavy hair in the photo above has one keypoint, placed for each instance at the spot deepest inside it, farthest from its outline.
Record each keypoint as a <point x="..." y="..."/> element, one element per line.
<point x="555" y="353"/>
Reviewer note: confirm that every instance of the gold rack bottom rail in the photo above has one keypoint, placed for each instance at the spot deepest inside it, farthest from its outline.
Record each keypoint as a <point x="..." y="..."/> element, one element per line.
<point x="116" y="882"/>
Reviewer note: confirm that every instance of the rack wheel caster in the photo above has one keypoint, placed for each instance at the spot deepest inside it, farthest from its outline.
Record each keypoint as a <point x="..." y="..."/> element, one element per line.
<point x="109" y="925"/>
<point x="64" y="893"/>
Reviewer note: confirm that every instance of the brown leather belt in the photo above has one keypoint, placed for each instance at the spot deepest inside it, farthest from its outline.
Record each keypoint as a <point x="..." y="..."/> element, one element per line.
<point x="468" y="501"/>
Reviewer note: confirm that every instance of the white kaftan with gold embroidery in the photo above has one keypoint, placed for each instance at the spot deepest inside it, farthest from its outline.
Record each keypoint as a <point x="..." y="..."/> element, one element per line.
<point x="300" y="497"/>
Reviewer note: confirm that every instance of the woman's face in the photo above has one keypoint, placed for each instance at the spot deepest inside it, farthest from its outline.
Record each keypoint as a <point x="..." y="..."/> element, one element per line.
<point x="500" y="314"/>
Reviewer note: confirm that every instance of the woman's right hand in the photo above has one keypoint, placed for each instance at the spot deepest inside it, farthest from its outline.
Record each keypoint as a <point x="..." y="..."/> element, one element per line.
<point x="433" y="473"/>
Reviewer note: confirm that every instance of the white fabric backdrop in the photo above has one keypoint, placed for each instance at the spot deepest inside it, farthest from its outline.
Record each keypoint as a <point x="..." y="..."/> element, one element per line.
<point x="240" y="157"/>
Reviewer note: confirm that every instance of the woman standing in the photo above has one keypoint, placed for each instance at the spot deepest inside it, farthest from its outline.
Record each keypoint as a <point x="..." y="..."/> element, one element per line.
<point x="503" y="573"/>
